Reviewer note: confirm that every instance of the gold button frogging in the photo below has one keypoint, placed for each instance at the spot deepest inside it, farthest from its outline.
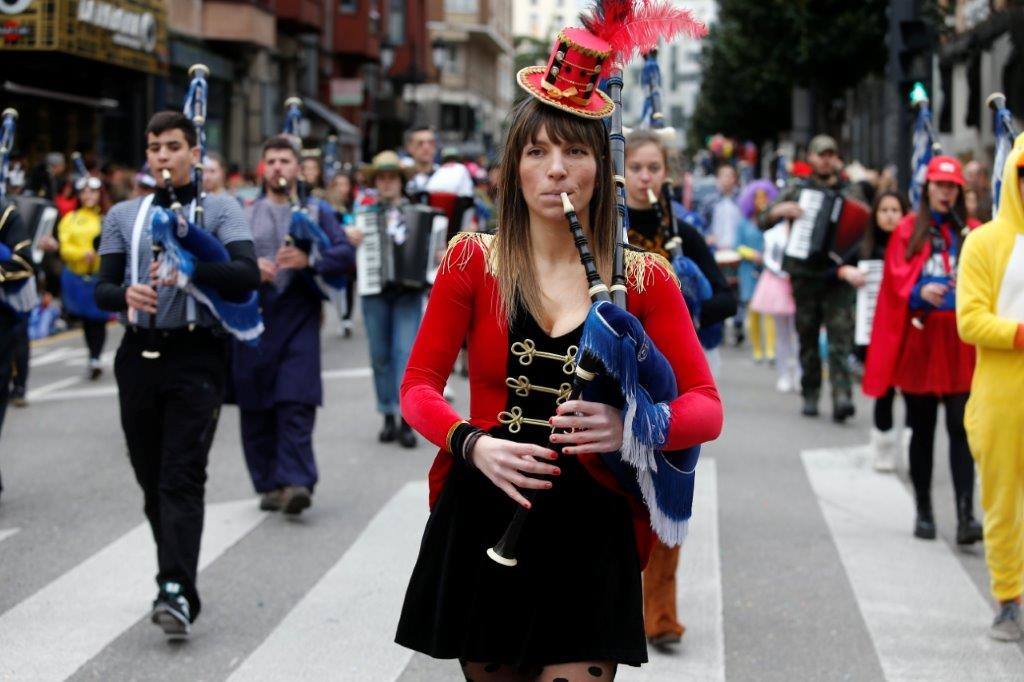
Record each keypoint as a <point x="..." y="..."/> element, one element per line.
<point x="514" y="419"/>
<point x="526" y="351"/>
<point x="522" y="387"/>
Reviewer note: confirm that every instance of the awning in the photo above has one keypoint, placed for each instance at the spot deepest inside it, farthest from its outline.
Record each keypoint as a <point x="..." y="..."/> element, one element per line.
<point x="347" y="133"/>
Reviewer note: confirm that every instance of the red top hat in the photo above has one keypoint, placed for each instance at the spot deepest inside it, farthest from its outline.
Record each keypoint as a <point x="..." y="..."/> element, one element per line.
<point x="570" y="79"/>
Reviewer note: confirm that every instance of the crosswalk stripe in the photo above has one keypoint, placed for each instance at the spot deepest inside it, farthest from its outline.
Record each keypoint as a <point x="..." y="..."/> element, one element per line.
<point x="59" y="628"/>
<point x="701" y="655"/>
<point x="58" y="385"/>
<point x="7" y="532"/>
<point x="344" y="628"/>
<point x="54" y="356"/>
<point x="55" y="392"/>
<point x="927" y="619"/>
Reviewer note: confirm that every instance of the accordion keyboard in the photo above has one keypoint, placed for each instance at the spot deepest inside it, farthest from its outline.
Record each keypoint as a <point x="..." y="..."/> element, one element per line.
<point x="802" y="232"/>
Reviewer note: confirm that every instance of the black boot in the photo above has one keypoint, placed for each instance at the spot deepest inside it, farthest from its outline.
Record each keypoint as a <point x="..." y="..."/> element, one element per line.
<point x="810" y="408"/>
<point x="389" y="432"/>
<point x="842" y="409"/>
<point x="924" y="526"/>
<point x="968" y="531"/>
<point x="406" y="437"/>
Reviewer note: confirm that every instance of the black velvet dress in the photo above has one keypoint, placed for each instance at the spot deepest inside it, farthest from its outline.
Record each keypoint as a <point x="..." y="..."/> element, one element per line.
<point x="575" y="594"/>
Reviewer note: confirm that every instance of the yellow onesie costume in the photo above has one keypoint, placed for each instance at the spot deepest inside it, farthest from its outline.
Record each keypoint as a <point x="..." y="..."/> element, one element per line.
<point x="989" y="309"/>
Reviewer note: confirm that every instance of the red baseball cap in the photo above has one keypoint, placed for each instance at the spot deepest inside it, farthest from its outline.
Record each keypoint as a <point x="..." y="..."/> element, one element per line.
<point x="945" y="169"/>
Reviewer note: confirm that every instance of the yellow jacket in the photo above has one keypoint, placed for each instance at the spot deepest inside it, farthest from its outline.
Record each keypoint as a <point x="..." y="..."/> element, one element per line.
<point x="990" y="306"/>
<point x="76" y="232"/>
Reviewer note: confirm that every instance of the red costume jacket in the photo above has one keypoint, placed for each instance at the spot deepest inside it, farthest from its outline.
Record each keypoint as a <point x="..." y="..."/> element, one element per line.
<point x="464" y="306"/>
<point x="891" y="322"/>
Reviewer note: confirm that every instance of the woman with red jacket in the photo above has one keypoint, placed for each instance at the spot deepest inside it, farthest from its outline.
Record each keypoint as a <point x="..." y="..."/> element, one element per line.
<point x="573" y="607"/>
<point x="915" y="346"/>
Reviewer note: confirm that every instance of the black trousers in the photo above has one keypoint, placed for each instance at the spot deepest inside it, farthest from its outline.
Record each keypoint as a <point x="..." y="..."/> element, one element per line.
<point x="95" y="332"/>
<point x="21" y="353"/>
<point x="922" y="414"/>
<point x="8" y="342"/>
<point x="169" y="412"/>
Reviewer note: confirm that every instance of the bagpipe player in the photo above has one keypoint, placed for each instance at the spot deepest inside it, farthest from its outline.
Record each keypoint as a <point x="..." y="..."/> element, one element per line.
<point x="170" y="398"/>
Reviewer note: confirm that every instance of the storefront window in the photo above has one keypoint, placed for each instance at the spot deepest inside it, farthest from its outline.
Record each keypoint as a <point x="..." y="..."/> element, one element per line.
<point x="396" y="22"/>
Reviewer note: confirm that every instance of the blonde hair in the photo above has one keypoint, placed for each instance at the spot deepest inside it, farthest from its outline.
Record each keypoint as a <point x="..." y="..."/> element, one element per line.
<point x="517" y="280"/>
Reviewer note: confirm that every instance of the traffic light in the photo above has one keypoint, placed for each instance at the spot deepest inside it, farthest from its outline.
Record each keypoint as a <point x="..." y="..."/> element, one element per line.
<point x="914" y="50"/>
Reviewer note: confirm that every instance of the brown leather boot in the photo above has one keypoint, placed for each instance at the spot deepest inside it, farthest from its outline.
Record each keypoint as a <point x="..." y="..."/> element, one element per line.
<point x="660" y="623"/>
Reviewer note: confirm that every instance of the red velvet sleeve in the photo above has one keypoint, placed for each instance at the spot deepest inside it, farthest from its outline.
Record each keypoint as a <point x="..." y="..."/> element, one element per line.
<point x="696" y="414"/>
<point x="444" y="328"/>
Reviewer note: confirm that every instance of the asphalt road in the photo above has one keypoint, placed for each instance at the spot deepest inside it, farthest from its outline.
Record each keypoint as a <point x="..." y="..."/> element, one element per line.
<point x="800" y="564"/>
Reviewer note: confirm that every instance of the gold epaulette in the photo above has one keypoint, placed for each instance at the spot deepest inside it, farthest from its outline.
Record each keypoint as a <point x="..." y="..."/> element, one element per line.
<point x="639" y="264"/>
<point x="484" y="241"/>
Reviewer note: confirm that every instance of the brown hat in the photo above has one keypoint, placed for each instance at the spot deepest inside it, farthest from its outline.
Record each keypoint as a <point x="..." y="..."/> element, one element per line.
<point x="823" y="143"/>
<point x="385" y="162"/>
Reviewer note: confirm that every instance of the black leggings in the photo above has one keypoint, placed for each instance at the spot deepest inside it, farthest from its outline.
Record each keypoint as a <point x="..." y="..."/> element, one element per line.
<point x="95" y="332"/>
<point x="883" y="411"/>
<point x="922" y="413"/>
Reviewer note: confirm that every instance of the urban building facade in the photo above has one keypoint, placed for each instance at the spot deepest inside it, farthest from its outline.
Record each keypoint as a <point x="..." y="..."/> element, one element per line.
<point x="471" y="93"/>
<point x="680" y="76"/>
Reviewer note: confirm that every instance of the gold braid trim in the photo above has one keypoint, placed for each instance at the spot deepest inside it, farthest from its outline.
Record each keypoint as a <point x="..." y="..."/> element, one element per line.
<point x="639" y="268"/>
<point x="483" y="241"/>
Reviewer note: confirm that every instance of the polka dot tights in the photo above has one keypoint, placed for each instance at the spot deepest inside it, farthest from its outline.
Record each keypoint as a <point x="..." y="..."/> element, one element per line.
<point x="587" y="671"/>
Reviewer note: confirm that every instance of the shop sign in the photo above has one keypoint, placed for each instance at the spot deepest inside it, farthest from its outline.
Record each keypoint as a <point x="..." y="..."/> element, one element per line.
<point x="12" y="30"/>
<point x="129" y="28"/>
<point x="128" y="33"/>
<point x="346" y="92"/>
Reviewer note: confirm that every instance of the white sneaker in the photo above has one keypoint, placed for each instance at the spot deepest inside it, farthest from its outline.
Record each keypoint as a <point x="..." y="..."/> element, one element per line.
<point x="884" y="445"/>
<point x="784" y="384"/>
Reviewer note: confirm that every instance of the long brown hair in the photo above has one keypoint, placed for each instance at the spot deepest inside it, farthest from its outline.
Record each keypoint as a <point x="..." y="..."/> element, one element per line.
<point x="923" y="222"/>
<point x="874" y="232"/>
<point x="517" y="280"/>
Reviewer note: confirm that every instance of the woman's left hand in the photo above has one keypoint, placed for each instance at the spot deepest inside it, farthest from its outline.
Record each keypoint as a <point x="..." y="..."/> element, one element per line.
<point x="598" y="427"/>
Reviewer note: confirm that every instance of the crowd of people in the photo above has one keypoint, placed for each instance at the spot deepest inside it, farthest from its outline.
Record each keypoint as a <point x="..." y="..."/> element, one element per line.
<point x="742" y="260"/>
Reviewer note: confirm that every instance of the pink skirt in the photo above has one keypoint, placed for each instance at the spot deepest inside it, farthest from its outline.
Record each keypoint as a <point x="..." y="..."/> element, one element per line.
<point x="773" y="295"/>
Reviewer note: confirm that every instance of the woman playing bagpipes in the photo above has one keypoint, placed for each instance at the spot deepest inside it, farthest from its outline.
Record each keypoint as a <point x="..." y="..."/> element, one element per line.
<point x="571" y="606"/>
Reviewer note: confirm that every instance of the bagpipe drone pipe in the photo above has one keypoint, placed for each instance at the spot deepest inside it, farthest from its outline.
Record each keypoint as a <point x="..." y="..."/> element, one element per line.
<point x="694" y="285"/>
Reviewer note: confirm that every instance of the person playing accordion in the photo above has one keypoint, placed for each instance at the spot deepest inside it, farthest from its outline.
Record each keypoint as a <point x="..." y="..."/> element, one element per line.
<point x="572" y="606"/>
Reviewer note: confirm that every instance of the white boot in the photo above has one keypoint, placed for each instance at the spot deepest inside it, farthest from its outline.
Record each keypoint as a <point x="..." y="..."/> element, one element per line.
<point x="885" y="446"/>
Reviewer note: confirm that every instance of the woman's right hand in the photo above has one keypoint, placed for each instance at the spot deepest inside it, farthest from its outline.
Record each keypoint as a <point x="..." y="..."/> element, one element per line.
<point x="506" y="464"/>
<point x="934" y="293"/>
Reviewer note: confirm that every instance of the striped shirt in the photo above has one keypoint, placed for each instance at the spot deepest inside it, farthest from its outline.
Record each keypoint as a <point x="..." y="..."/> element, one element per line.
<point x="223" y="218"/>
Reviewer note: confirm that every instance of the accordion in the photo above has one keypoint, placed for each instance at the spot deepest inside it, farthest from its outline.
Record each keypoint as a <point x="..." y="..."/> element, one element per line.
<point x="402" y="248"/>
<point x="830" y="224"/>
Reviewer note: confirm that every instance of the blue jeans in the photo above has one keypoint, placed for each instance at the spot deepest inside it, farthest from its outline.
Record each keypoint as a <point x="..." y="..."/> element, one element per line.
<point x="392" y="321"/>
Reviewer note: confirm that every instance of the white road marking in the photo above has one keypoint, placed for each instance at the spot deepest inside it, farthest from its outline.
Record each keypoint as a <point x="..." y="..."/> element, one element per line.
<point x="36" y="393"/>
<point x="7" y="532"/>
<point x="54" y="356"/>
<point x="51" y="634"/>
<point x="347" y="373"/>
<point x="926" y="618"/>
<point x="701" y="654"/>
<point x="54" y="392"/>
<point x="344" y="628"/>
